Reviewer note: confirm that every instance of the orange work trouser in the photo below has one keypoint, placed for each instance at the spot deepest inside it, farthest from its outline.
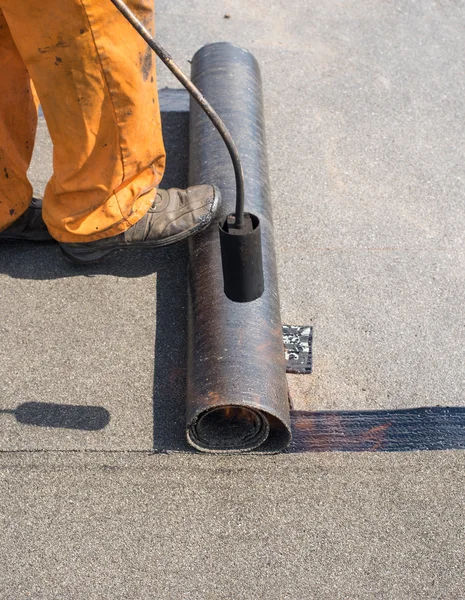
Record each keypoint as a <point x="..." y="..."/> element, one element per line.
<point x="95" y="79"/>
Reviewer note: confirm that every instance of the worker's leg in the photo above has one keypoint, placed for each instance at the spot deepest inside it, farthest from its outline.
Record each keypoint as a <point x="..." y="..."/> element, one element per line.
<point x="95" y="78"/>
<point x="18" y="121"/>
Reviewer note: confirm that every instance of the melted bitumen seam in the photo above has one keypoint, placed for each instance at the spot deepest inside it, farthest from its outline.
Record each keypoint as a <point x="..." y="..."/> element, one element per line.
<point x="432" y="428"/>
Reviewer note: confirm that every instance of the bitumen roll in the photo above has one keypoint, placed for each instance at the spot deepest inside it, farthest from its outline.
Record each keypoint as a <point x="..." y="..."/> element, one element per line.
<point x="237" y="395"/>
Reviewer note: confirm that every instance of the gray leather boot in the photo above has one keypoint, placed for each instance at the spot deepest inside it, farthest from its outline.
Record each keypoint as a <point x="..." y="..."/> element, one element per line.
<point x="30" y="226"/>
<point x="175" y="215"/>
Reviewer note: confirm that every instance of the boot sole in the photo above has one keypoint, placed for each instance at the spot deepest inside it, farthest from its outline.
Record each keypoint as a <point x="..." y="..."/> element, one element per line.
<point x="82" y="255"/>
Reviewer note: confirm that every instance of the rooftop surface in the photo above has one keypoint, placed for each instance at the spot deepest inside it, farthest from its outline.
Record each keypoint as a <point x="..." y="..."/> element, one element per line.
<point x="365" y="113"/>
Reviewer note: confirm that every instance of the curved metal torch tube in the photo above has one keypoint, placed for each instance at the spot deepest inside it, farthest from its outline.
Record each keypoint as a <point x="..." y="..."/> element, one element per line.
<point x="166" y="58"/>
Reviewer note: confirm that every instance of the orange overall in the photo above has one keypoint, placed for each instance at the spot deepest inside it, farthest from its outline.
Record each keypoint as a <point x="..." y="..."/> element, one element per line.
<point x="95" y="80"/>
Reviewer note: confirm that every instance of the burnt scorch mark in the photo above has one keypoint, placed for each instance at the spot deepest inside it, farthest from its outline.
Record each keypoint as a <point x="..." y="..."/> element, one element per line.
<point x="59" y="44"/>
<point x="432" y="428"/>
<point x="7" y="175"/>
<point x="12" y="211"/>
<point x="146" y="62"/>
<point x="81" y="31"/>
<point x="58" y="60"/>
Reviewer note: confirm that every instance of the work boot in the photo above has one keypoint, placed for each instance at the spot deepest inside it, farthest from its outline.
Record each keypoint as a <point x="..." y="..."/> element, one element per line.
<point x="174" y="215"/>
<point x="30" y="226"/>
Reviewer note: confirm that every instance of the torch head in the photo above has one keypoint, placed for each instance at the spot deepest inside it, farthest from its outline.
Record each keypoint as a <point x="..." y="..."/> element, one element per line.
<point x="241" y="254"/>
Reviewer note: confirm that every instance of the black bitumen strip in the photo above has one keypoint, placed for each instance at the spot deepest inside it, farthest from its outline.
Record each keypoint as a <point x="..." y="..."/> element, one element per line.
<point x="432" y="428"/>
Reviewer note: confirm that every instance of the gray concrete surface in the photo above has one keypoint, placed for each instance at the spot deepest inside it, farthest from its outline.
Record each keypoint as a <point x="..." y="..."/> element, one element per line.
<point x="365" y="112"/>
<point x="194" y="527"/>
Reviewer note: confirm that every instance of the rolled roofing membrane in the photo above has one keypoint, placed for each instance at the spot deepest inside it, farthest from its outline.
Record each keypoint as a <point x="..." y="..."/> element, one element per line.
<point x="237" y="396"/>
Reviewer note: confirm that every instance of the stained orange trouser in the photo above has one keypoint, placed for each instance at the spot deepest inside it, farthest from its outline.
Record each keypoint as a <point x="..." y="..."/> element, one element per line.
<point x="95" y="79"/>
